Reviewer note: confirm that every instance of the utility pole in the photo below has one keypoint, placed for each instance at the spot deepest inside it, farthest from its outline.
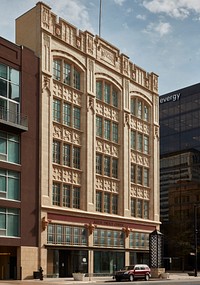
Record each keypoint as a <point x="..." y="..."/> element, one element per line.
<point x="100" y="8"/>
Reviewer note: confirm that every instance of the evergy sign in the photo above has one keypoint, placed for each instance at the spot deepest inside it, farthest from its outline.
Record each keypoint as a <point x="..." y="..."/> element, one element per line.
<point x="173" y="97"/>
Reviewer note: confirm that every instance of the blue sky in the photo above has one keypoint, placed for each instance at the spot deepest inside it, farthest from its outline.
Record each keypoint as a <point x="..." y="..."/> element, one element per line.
<point x="160" y="36"/>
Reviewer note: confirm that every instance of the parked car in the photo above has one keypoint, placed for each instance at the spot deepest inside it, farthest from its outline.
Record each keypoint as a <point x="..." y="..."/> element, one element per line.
<point x="133" y="272"/>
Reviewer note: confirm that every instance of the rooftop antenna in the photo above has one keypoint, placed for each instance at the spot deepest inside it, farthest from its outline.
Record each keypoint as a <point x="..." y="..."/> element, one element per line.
<point x="100" y="7"/>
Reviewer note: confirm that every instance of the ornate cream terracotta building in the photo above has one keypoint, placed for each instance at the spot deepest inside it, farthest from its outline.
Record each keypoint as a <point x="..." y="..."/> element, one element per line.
<point x="99" y="149"/>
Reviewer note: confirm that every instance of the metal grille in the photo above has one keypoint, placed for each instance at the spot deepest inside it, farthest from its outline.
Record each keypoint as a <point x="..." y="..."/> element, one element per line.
<point x="156" y="249"/>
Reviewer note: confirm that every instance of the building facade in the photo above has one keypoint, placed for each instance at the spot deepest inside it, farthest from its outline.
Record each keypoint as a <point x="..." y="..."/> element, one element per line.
<point x="19" y="205"/>
<point x="99" y="149"/>
<point x="179" y="172"/>
<point x="175" y="167"/>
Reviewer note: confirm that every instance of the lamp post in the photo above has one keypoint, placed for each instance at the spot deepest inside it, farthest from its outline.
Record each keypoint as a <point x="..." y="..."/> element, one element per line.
<point x="195" y="236"/>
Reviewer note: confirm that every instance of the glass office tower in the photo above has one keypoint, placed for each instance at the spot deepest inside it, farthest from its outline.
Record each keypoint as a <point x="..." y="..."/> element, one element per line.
<point x="180" y="120"/>
<point x="179" y="169"/>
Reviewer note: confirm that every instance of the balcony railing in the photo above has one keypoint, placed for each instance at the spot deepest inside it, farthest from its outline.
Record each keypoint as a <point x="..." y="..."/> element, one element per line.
<point x="13" y="119"/>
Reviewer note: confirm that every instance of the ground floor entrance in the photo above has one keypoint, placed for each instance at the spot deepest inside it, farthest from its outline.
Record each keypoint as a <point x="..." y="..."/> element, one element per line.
<point x="65" y="262"/>
<point x="8" y="262"/>
<point x="62" y="263"/>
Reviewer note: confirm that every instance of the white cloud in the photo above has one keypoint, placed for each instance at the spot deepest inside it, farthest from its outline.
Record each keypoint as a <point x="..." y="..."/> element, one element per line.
<point x="141" y="17"/>
<point x="125" y="26"/>
<point x="179" y="9"/>
<point x="74" y="11"/>
<point x="129" y="10"/>
<point x="160" y="29"/>
<point x="119" y="2"/>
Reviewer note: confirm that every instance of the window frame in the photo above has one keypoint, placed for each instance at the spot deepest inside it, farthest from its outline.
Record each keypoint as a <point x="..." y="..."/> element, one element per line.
<point x="67" y="72"/>
<point x="107" y="93"/>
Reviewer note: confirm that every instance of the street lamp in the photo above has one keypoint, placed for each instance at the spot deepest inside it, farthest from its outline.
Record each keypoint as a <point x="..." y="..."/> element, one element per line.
<point x="195" y="236"/>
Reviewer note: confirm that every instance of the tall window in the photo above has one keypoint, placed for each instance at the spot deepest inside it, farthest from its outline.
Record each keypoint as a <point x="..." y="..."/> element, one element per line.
<point x="67" y="114"/>
<point x="146" y="113"/>
<point x="56" y="69"/>
<point x="9" y="184"/>
<point x="107" y="129"/>
<point x="99" y="163"/>
<point x="104" y="126"/>
<point x="115" y="97"/>
<point x="76" y="157"/>
<point x="71" y="115"/>
<point x="99" y="126"/>
<point x="140" y="109"/>
<point x="66" y="154"/>
<point x="9" y="93"/>
<point x="114" y="204"/>
<point x="107" y="165"/>
<point x="9" y="222"/>
<point x="56" y="111"/>
<point x="133" y="139"/>
<point x="133" y="106"/>
<point x="146" y="177"/>
<point x="114" y="132"/>
<point x="99" y="90"/>
<point x="139" y="174"/>
<point x="67" y="73"/>
<point x="107" y="93"/>
<point x="76" y="79"/>
<point x="133" y="176"/>
<point x="56" y="194"/>
<point x="139" y="142"/>
<point x="76" y="197"/>
<point x="77" y="118"/>
<point x="99" y="201"/>
<point x="56" y="151"/>
<point x="106" y="202"/>
<point x="133" y="207"/>
<point x="66" y="195"/>
<point x="146" y="209"/>
<point x="139" y="208"/>
<point x="146" y="144"/>
<point x="142" y="142"/>
<point x="9" y="147"/>
<point x="114" y="167"/>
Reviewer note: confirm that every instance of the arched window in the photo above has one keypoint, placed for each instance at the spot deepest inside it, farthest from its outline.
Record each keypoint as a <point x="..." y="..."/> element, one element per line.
<point x="107" y="93"/>
<point x="67" y="73"/>
<point x="140" y="109"/>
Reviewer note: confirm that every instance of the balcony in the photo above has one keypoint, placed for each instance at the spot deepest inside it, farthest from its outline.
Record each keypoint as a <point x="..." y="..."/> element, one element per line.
<point x="13" y="119"/>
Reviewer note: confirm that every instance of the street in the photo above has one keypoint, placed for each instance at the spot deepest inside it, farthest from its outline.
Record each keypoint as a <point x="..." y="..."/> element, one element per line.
<point x="100" y="282"/>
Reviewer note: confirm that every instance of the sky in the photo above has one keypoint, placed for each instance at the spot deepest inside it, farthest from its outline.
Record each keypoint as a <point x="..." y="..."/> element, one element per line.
<point x="160" y="36"/>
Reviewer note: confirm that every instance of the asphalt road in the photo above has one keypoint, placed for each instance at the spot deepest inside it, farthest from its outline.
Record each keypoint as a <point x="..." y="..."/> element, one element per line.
<point x="180" y="278"/>
<point x="151" y="282"/>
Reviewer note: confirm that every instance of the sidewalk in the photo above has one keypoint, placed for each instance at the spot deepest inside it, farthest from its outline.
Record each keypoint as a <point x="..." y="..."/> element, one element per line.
<point x="60" y="281"/>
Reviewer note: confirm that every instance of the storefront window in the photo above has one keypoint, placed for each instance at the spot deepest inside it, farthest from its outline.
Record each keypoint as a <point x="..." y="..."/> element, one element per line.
<point x="62" y="234"/>
<point x="108" y="238"/>
<point x="108" y="262"/>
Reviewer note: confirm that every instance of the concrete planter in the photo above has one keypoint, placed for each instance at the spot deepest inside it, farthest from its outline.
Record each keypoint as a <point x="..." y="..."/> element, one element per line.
<point x="78" y="276"/>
